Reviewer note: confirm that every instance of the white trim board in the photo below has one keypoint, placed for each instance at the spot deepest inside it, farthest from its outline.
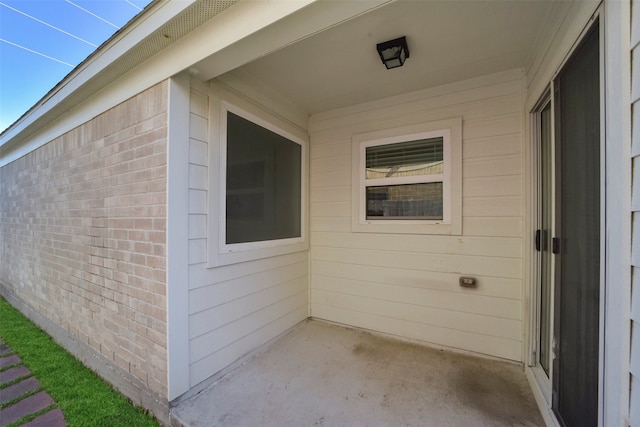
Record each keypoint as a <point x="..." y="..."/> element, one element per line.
<point x="177" y="242"/>
<point x="616" y="35"/>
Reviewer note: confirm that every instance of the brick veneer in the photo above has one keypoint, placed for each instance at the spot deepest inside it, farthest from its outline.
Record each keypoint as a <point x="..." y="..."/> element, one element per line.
<point x="83" y="234"/>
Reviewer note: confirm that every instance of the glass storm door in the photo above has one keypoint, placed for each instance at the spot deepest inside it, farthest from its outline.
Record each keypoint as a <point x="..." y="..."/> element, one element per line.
<point x="577" y="287"/>
<point x="567" y="240"/>
<point x="544" y="240"/>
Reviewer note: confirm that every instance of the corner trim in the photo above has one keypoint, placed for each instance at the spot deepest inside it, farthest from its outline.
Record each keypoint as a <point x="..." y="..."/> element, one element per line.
<point x="177" y="232"/>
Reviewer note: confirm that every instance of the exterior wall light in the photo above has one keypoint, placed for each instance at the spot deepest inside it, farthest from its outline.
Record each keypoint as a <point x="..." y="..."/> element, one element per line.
<point x="394" y="52"/>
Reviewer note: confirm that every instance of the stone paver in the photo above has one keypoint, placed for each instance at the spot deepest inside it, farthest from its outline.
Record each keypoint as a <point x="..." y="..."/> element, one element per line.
<point x="24" y="407"/>
<point x="12" y="374"/>
<point x="28" y="405"/>
<point x="18" y="389"/>
<point x="4" y="349"/>
<point x="53" y="418"/>
<point x="9" y="360"/>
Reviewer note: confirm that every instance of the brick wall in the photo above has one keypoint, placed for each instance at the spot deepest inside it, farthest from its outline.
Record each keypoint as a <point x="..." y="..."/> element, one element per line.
<point x="82" y="234"/>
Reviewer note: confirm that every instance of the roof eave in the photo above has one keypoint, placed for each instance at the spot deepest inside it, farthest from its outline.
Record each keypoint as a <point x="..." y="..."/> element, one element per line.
<point x="90" y="72"/>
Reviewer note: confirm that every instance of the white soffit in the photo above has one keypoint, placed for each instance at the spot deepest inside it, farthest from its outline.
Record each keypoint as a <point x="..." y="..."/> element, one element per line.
<point x="194" y="16"/>
<point x="449" y="41"/>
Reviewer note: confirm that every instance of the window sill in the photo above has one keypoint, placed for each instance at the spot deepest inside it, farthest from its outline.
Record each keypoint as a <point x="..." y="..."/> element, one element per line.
<point x="219" y="258"/>
<point x="406" y="227"/>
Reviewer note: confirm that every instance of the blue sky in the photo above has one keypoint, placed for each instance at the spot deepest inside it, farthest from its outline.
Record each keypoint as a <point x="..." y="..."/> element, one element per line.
<point x="35" y="56"/>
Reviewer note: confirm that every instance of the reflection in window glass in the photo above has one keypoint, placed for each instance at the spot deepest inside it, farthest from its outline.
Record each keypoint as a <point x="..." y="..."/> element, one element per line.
<point x="404" y="180"/>
<point x="263" y="192"/>
<point x="409" y="201"/>
<point x="411" y="158"/>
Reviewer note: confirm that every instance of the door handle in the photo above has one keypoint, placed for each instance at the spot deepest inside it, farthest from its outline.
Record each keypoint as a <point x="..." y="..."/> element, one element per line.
<point x="556" y="245"/>
<point x="538" y="240"/>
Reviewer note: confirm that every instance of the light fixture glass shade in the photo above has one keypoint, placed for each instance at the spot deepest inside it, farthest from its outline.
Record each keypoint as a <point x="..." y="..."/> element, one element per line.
<point x="394" y="52"/>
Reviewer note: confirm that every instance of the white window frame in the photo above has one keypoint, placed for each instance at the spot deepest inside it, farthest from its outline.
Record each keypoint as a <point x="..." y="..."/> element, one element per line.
<point x="221" y="253"/>
<point x="451" y="132"/>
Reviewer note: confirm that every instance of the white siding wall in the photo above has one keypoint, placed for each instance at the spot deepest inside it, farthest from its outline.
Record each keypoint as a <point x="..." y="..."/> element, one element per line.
<point x="235" y="308"/>
<point x="407" y="285"/>
<point x="634" y="414"/>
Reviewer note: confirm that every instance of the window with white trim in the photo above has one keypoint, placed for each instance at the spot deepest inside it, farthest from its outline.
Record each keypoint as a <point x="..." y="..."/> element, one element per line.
<point x="408" y="180"/>
<point x="405" y="180"/>
<point x="258" y="198"/>
<point x="263" y="185"/>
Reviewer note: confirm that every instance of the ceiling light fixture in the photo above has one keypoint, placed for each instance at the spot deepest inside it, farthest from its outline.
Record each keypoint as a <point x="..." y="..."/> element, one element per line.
<point x="394" y="52"/>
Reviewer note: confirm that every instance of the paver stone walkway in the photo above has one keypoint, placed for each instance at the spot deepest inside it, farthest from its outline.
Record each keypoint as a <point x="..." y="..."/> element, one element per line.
<point x="21" y="395"/>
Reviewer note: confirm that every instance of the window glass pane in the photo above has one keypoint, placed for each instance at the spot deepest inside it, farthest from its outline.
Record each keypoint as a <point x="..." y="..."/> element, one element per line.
<point x="411" y="158"/>
<point x="421" y="201"/>
<point x="263" y="183"/>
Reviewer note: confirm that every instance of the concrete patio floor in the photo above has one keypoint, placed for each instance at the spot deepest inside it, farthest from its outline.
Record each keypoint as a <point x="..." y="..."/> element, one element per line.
<point x="320" y="374"/>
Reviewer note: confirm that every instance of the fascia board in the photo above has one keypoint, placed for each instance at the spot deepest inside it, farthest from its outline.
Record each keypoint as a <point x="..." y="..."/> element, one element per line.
<point x="133" y="34"/>
<point x="221" y="31"/>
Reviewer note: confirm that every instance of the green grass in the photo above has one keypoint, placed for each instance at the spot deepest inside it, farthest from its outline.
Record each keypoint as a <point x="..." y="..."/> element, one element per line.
<point x="85" y="399"/>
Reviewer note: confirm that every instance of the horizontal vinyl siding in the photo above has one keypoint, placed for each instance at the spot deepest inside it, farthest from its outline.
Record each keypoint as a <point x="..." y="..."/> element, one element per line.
<point x="407" y="285"/>
<point x="235" y="308"/>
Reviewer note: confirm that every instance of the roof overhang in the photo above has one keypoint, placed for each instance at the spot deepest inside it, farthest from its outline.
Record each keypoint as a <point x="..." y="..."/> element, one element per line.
<point x="142" y="37"/>
<point x="164" y="40"/>
<point x="288" y="46"/>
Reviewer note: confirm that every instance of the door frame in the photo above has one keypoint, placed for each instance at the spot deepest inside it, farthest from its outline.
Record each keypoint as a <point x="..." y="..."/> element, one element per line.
<point x="544" y="382"/>
<point x="541" y="384"/>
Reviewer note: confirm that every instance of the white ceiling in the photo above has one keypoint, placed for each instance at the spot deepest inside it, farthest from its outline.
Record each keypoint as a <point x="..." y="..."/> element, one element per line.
<point x="448" y="41"/>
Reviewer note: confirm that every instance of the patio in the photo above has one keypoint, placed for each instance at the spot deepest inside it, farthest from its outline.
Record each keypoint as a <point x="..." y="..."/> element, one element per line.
<point x="324" y="374"/>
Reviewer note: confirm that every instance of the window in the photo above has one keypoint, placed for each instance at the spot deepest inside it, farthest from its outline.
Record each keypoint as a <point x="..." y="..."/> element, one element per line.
<point x="404" y="180"/>
<point x="408" y="180"/>
<point x="259" y="207"/>
<point x="262" y="184"/>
